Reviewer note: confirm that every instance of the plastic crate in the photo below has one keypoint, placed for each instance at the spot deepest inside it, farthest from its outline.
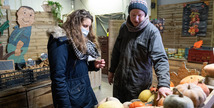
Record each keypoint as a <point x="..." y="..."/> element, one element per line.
<point x="204" y="54"/>
<point x="23" y="77"/>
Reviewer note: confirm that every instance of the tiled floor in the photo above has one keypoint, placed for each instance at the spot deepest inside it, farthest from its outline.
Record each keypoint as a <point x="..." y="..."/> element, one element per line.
<point x="105" y="89"/>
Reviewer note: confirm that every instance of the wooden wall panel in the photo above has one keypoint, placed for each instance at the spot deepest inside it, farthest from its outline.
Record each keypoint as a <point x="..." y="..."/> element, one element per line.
<point x="13" y="98"/>
<point x="39" y="95"/>
<point x="172" y="35"/>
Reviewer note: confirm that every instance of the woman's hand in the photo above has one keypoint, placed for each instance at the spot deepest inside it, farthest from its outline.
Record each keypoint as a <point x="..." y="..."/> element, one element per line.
<point x="99" y="63"/>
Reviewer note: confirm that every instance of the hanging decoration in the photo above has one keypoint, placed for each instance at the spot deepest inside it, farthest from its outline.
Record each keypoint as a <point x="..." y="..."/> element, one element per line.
<point x="159" y="23"/>
<point x="195" y="19"/>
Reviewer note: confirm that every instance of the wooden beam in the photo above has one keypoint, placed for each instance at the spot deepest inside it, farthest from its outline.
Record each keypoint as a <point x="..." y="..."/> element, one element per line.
<point x="154" y="10"/>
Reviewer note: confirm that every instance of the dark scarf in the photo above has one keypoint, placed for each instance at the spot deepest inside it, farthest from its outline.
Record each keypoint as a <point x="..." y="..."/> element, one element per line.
<point x="142" y="25"/>
<point x="91" y="50"/>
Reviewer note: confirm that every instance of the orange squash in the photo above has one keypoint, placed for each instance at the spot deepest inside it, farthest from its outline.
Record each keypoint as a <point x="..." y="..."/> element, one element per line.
<point x="160" y="101"/>
<point x="172" y="84"/>
<point x="204" y="87"/>
<point x="136" y="104"/>
<point x="191" y="79"/>
<point x="153" y="88"/>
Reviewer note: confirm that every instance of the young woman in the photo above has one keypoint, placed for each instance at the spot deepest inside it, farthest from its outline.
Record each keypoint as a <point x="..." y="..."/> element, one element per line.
<point x="68" y="52"/>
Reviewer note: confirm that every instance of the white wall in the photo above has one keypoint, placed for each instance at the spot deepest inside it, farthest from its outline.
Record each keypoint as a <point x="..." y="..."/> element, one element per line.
<point x="96" y="7"/>
<point x="36" y="4"/>
<point x="100" y="7"/>
<point x="164" y="2"/>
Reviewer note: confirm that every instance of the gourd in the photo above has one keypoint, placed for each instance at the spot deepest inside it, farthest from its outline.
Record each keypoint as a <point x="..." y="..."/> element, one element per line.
<point x="209" y="69"/>
<point x="153" y="88"/>
<point x="191" y="79"/>
<point x="194" y="92"/>
<point x="178" y="101"/>
<point x="204" y="87"/>
<point x="144" y="95"/>
<point x="172" y="84"/>
<point x="126" y="104"/>
<point x="160" y="101"/>
<point x="110" y="102"/>
<point x="136" y="104"/>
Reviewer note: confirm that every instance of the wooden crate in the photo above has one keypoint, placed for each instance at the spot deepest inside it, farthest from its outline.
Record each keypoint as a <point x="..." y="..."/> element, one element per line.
<point x="114" y="27"/>
<point x="209" y="102"/>
<point x="13" y="98"/>
<point x="37" y="95"/>
<point x="103" y="41"/>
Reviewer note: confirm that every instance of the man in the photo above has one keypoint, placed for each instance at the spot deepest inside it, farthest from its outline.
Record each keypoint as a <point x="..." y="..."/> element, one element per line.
<point x="20" y="37"/>
<point x="137" y="49"/>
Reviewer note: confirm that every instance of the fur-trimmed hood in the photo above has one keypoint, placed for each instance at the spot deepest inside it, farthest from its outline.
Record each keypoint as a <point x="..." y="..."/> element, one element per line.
<point x="56" y="31"/>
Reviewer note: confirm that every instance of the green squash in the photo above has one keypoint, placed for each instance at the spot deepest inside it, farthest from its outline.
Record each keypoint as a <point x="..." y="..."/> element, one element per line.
<point x="178" y="101"/>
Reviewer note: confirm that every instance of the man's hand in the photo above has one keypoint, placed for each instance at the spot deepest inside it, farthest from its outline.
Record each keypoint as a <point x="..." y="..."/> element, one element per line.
<point x="163" y="91"/>
<point x="110" y="78"/>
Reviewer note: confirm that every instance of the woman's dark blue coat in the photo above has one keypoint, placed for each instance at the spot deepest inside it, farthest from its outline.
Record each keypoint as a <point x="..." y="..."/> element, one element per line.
<point x="71" y="86"/>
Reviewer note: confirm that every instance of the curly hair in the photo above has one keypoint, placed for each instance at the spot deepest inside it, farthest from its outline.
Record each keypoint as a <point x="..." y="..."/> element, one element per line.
<point x="72" y="26"/>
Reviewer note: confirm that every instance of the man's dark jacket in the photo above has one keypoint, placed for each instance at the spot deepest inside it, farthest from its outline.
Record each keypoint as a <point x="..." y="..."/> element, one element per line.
<point x="133" y="57"/>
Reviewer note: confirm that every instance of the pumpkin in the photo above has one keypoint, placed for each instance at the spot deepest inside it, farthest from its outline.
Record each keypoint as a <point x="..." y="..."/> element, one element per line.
<point x="126" y="104"/>
<point x="111" y="104"/>
<point x="108" y="99"/>
<point x="178" y="101"/>
<point x="204" y="87"/>
<point x="194" y="92"/>
<point x="144" y="95"/>
<point x="160" y="101"/>
<point x="209" y="69"/>
<point x="136" y="104"/>
<point x="192" y="79"/>
<point x="172" y="84"/>
<point x="153" y="88"/>
<point x="151" y="98"/>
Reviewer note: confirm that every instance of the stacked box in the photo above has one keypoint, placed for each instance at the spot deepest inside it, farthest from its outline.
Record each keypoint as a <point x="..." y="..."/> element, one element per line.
<point x="103" y="41"/>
